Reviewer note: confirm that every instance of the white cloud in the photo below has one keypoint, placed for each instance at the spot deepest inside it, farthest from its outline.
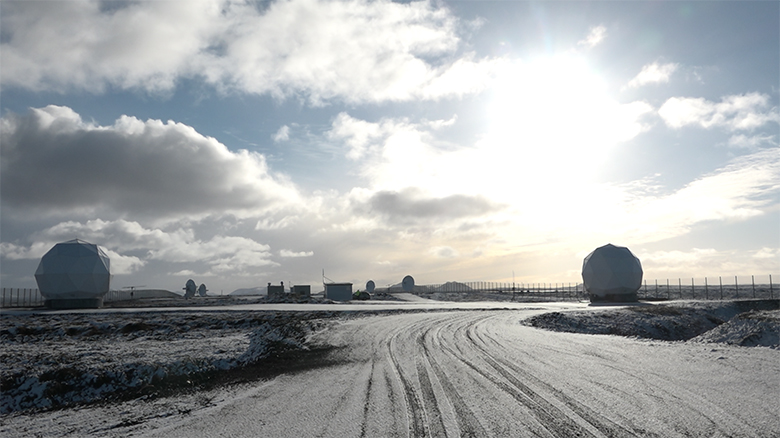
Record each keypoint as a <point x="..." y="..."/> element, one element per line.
<point x="743" y="189"/>
<point x="532" y="101"/>
<point x="354" y="50"/>
<point x="744" y="112"/>
<point x="124" y="264"/>
<point x="444" y="252"/>
<point x="595" y="37"/>
<point x="147" y="45"/>
<point x="219" y="253"/>
<point x="283" y="134"/>
<point x="54" y="162"/>
<point x="654" y="73"/>
<point x="743" y="141"/>
<point x="293" y="254"/>
<point x="701" y="262"/>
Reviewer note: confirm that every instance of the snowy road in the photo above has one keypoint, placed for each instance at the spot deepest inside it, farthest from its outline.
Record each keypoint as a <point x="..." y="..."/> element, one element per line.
<point x="481" y="373"/>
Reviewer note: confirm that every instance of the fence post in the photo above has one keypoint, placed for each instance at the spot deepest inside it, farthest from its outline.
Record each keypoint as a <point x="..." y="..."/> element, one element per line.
<point x="720" y="280"/>
<point x="679" y="285"/>
<point x="656" y="288"/>
<point x="668" y="290"/>
<point x="706" y="291"/>
<point x="753" y="283"/>
<point x="693" y="292"/>
<point x="736" y="285"/>
<point x="771" y="290"/>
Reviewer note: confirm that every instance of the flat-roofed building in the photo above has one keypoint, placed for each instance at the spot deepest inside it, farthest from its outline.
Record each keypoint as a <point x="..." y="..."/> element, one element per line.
<point x="338" y="291"/>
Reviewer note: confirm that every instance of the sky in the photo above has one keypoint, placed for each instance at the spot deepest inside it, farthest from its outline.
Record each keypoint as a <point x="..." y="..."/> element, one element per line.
<point x="238" y="143"/>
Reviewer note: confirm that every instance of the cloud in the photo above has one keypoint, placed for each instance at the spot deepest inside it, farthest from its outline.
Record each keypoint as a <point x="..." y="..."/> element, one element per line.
<point x="293" y="254"/>
<point x="55" y="162"/>
<point x="77" y="44"/>
<point x="413" y="204"/>
<point x="219" y="254"/>
<point x="743" y="189"/>
<point x="710" y="262"/>
<point x="353" y="50"/>
<point x="595" y="37"/>
<point x="124" y="264"/>
<point x="742" y="141"/>
<point x="743" y="112"/>
<point x="358" y="135"/>
<point x="445" y="252"/>
<point x="283" y="134"/>
<point x="654" y="73"/>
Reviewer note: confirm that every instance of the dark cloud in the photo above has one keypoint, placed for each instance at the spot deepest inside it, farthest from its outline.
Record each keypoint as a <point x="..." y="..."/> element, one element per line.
<point x="52" y="160"/>
<point x="410" y="204"/>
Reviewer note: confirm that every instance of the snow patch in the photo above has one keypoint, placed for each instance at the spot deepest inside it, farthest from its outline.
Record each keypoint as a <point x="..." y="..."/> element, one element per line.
<point x="745" y="323"/>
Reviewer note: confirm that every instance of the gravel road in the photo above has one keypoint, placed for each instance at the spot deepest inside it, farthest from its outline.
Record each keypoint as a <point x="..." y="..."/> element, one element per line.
<point x="481" y="373"/>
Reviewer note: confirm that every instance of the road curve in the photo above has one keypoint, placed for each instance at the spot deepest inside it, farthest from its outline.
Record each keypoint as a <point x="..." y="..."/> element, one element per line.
<point x="481" y="373"/>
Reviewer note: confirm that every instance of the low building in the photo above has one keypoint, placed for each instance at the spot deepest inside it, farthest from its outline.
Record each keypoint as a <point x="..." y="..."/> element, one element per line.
<point x="275" y="292"/>
<point x="301" y="291"/>
<point x="338" y="291"/>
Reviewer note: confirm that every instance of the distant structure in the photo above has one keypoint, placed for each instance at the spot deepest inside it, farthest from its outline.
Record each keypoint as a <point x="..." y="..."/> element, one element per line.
<point x="612" y="273"/>
<point x="189" y="289"/>
<point x="408" y="283"/>
<point x="74" y="274"/>
<point x="301" y="291"/>
<point x="202" y="290"/>
<point x="338" y="291"/>
<point x="276" y="292"/>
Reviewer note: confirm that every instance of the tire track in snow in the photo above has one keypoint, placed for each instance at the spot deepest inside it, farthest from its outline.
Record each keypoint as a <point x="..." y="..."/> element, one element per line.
<point x="514" y="374"/>
<point x="367" y="403"/>
<point x="415" y="414"/>
<point x="467" y="422"/>
<point x="431" y="405"/>
<point x="703" y="407"/>
<point x="551" y="417"/>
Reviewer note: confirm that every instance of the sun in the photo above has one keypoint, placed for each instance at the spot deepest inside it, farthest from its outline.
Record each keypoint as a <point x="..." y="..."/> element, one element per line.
<point x="556" y="112"/>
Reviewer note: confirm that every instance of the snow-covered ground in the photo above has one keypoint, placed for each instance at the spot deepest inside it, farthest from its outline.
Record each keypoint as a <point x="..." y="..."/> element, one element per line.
<point x="746" y="323"/>
<point x="147" y="361"/>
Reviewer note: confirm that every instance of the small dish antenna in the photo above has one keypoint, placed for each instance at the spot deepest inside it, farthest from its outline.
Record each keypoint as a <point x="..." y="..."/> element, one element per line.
<point x="189" y="289"/>
<point x="370" y="286"/>
<point x="202" y="290"/>
<point x="408" y="283"/>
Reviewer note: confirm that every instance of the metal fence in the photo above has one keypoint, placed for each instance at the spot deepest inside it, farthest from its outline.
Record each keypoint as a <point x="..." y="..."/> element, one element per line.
<point x="20" y="297"/>
<point x="30" y="297"/>
<point x="720" y="288"/>
<point x="705" y="288"/>
<point x="502" y="290"/>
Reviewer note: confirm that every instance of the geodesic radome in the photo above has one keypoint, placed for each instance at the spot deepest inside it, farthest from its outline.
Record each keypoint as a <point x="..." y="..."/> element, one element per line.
<point x="74" y="270"/>
<point x="612" y="273"/>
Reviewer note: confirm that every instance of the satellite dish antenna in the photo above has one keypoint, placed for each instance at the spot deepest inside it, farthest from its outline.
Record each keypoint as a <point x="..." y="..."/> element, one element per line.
<point x="189" y="289"/>
<point x="202" y="290"/>
<point x="370" y="286"/>
<point x="408" y="283"/>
